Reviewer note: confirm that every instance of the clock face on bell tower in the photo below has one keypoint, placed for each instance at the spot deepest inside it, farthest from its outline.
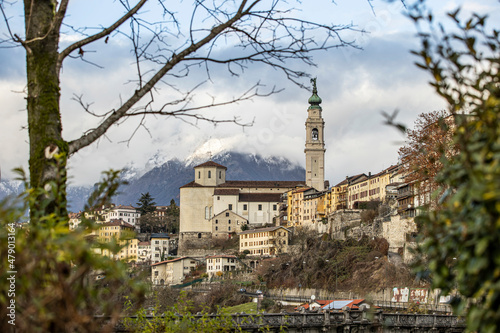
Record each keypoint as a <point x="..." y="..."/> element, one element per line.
<point x="315" y="146"/>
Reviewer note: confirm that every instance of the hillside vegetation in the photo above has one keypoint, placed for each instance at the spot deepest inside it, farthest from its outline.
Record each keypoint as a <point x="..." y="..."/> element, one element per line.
<point x="359" y="265"/>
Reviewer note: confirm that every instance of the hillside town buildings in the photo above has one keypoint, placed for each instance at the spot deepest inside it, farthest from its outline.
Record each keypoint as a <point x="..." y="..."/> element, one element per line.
<point x="262" y="215"/>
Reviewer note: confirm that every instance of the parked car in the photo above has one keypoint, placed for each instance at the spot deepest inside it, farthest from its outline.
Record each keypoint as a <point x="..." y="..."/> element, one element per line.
<point x="242" y="290"/>
<point x="259" y="292"/>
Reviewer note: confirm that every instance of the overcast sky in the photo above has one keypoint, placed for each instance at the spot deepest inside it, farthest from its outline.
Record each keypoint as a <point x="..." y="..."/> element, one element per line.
<point x="355" y="86"/>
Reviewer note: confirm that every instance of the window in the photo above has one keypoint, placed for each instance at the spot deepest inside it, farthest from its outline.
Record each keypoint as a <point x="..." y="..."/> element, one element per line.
<point x="209" y="174"/>
<point x="230" y="207"/>
<point x="245" y="207"/>
<point x="199" y="235"/>
<point x="199" y="174"/>
<point x="220" y="174"/>
<point x="207" y="213"/>
<point x="227" y="214"/>
<point x="216" y="228"/>
<point x="228" y="221"/>
<point x="216" y="221"/>
<point x="274" y="207"/>
<point x="229" y="229"/>
<point x="260" y="207"/>
<point x="218" y="198"/>
<point x="156" y="273"/>
<point x="315" y="134"/>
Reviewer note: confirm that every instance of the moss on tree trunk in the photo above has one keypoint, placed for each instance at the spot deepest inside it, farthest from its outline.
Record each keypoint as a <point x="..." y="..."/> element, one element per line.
<point x="44" y="118"/>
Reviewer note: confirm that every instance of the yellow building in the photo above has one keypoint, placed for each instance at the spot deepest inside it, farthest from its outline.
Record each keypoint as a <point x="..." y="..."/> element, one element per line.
<point x="363" y="188"/>
<point x="265" y="241"/>
<point x="123" y="233"/>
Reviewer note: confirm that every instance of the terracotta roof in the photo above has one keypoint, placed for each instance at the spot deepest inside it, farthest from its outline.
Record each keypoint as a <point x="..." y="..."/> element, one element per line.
<point x="284" y="184"/>
<point x="321" y="303"/>
<point x="339" y="304"/>
<point x="118" y="222"/>
<point x="358" y="179"/>
<point x="226" y="191"/>
<point x="172" y="260"/>
<point x="302" y="190"/>
<point x="192" y="184"/>
<point x="263" y="183"/>
<point x="350" y="179"/>
<point x="211" y="164"/>
<point x="262" y="230"/>
<point x="144" y="243"/>
<point x="260" y="197"/>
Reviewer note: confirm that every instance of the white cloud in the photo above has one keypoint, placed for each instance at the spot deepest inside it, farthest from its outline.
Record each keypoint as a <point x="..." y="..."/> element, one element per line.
<point x="355" y="87"/>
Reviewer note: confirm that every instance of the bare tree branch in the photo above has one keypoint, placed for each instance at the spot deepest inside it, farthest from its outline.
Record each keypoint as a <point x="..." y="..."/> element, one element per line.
<point x="99" y="35"/>
<point x="87" y="139"/>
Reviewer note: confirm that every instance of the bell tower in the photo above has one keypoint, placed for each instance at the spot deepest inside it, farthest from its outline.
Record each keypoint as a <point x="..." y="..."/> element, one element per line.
<point x="315" y="144"/>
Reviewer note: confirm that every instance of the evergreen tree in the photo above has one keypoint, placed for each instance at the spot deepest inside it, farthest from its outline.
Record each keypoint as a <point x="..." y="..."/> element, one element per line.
<point x="146" y="204"/>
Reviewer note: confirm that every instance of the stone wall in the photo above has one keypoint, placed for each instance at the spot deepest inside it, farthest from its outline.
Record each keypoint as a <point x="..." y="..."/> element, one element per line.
<point x="194" y="243"/>
<point x="344" y="224"/>
<point x="396" y="229"/>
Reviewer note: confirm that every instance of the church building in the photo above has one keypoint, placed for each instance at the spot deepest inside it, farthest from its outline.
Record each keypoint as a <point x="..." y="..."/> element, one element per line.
<point x="212" y="207"/>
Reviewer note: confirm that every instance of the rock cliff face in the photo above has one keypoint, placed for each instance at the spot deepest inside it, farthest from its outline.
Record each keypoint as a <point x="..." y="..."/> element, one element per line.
<point x="163" y="180"/>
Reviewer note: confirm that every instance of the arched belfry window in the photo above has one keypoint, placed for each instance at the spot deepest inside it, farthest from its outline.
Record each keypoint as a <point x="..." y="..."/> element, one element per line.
<point x="314" y="134"/>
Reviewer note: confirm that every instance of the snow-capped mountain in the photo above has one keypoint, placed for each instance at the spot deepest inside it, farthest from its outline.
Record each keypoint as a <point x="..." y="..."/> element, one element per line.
<point x="163" y="180"/>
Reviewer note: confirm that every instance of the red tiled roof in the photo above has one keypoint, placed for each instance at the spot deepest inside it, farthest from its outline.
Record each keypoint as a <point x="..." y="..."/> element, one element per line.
<point x="321" y="303"/>
<point x="282" y="184"/>
<point x="260" y="197"/>
<point x="302" y="189"/>
<point x="192" y="184"/>
<point x="144" y="243"/>
<point x="358" y="179"/>
<point x="263" y="183"/>
<point x="226" y="191"/>
<point x="211" y="164"/>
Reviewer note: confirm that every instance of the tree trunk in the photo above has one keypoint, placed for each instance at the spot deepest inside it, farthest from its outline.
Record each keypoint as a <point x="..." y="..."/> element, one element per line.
<point x="44" y="119"/>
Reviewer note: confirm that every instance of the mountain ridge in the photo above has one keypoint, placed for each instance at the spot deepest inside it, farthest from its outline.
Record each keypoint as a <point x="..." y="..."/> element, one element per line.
<point x="164" y="180"/>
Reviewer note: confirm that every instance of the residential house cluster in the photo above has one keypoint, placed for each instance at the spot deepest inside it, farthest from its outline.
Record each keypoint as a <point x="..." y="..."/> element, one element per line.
<point x="105" y="214"/>
<point x="174" y="271"/>
<point x="306" y="206"/>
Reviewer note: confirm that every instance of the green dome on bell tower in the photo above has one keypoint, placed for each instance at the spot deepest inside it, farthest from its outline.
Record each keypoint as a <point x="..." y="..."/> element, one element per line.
<point x="315" y="100"/>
